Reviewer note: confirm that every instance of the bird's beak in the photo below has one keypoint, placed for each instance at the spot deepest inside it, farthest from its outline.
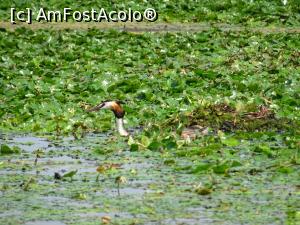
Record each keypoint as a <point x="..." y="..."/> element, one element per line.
<point x="96" y="108"/>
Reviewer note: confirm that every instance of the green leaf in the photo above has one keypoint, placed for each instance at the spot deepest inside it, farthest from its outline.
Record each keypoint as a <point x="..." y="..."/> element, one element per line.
<point x="145" y="141"/>
<point x="285" y="169"/>
<point x="201" y="167"/>
<point x="130" y="141"/>
<point x="169" y="161"/>
<point x="221" y="169"/>
<point x="6" y="150"/>
<point x="235" y="163"/>
<point x="70" y="174"/>
<point x="154" y="146"/>
<point x="265" y="149"/>
<point x="231" y="142"/>
<point x="134" y="147"/>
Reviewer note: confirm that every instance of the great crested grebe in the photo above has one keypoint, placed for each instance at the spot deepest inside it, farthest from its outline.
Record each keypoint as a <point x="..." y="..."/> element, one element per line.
<point x="118" y="111"/>
<point x="188" y="133"/>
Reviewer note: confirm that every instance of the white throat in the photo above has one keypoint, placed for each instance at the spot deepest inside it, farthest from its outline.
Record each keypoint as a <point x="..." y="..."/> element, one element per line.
<point x="120" y="127"/>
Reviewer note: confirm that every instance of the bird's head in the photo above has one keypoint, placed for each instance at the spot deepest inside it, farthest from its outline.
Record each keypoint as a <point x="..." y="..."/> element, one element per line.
<point x="114" y="106"/>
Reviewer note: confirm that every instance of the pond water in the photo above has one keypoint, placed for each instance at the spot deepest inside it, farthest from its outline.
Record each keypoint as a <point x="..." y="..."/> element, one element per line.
<point x="152" y="192"/>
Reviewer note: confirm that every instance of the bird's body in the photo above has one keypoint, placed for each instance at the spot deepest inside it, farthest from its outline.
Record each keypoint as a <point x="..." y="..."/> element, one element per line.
<point x="116" y="108"/>
<point x="192" y="132"/>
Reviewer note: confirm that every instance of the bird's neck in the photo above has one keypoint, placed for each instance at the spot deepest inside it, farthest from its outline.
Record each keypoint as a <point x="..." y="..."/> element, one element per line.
<point x="120" y="127"/>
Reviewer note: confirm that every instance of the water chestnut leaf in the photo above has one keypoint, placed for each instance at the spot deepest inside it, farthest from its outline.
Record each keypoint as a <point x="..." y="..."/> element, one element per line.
<point x="232" y="142"/>
<point x="201" y="167"/>
<point x="6" y="150"/>
<point x="70" y="174"/>
<point x="134" y="147"/>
